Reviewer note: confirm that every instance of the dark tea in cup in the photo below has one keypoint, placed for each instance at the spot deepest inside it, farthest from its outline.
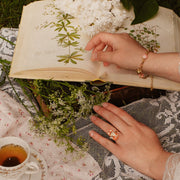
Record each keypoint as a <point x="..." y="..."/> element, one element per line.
<point x="12" y="155"/>
<point x="15" y="158"/>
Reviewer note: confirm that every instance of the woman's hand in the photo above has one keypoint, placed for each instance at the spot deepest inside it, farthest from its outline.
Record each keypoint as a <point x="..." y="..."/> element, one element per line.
<point x="118" y="49"/>
<point x="126" y="53"/>
<point x="136" y="144"/>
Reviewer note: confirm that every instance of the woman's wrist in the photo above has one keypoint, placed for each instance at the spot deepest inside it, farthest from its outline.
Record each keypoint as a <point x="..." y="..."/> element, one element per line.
<point x="157" y="167"/>
<point x="164" y="65"/>
<point x="140" y="70"/>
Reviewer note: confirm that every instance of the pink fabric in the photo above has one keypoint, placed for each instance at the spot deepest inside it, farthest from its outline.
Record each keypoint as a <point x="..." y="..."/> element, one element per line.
<point x="14" y="122"/>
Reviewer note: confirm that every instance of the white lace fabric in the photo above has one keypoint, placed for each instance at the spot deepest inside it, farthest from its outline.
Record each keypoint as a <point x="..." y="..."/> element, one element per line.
<point x="172" y="170"/>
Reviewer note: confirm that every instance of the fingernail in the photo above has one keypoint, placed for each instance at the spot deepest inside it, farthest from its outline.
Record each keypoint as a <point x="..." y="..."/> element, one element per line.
<point x="106" y="64"/>
<point x="91" y="133"/>
<point x="86" y="48"/>
<point x="104" y="104"/>
<point x="96" y="108"/>
<point x="91" y="117"/>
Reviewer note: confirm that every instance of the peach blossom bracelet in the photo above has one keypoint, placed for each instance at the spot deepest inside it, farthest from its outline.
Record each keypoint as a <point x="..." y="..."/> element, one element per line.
<point x="139" y="70"/>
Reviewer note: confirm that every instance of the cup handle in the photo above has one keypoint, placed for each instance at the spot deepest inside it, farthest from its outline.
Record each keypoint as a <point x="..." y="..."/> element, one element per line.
<point x="31" y="168"/>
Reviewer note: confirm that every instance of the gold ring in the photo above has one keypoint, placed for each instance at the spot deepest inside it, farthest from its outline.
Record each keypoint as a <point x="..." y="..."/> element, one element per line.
<point x="113" y="135"/>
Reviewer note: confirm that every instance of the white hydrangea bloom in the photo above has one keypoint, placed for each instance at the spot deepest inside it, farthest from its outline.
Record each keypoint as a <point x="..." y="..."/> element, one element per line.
<point x="96" y="15"/>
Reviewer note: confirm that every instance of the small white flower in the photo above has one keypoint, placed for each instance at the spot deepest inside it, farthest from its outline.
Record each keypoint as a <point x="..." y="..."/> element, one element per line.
<point x="96" y="15"/>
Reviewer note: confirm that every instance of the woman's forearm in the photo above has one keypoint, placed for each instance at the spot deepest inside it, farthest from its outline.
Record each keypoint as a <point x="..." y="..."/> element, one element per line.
<point x="164" y="65"/>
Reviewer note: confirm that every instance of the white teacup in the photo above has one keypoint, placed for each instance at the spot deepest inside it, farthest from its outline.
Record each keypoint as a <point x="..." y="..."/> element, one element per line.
<point x="11" y="168"/>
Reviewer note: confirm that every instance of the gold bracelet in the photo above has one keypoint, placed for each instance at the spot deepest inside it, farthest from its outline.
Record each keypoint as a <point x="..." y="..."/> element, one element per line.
<point x="139" y="70"/>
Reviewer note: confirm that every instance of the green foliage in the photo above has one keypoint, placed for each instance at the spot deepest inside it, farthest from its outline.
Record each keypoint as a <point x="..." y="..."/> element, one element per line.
<point x="127" y="4"/>
<point x="10" y="12"/>
<point x="66" y="102"/>
<point x="5" y="67"/>
<point x="144" y="9"/>
<point x="7" y="40"/>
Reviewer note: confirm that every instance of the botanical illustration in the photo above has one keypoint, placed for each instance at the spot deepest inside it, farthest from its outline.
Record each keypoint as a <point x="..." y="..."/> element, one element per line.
<point x="67" y="35"/>
<point x="146" y="36"/>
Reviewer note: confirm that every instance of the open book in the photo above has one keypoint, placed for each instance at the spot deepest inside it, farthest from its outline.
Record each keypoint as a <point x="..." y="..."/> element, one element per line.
<point x="38" y="55"/>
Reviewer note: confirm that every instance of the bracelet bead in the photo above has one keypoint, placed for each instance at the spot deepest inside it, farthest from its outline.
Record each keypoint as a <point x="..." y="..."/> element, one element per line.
<point x="139" y="70"/>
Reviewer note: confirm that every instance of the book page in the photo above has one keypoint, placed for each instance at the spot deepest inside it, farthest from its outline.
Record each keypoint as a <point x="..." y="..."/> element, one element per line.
<point x="37" y="48"/>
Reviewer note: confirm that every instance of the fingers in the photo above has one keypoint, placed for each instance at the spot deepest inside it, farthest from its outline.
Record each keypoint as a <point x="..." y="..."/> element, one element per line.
<point x="96" y="54"/>
<point x="108" y="144"/>
<point x="108" y="49"/>
<point x="120" y="113"/>
<point x="99" y="47"/>
<point x="99" y="53"/>
<point x="102" y="45"/>
<point x="106" y="127"/>
<point x="112" y="118"/>
<point x="105" y="56"/>
<point x="98" y="39"/>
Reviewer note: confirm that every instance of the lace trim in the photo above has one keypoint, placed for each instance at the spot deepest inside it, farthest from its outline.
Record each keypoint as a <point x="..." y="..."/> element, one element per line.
<point x="171" y="167"/>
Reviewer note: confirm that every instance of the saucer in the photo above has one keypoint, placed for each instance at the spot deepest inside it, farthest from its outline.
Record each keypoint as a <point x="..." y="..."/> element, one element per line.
<point x="42" y="174"/>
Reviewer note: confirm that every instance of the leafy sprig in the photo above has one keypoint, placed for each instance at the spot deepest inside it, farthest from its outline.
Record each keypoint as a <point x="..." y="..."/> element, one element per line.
<point x="67" y="36"/>
<point x="71" y="58"/>
<point x="66" y="102"/>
